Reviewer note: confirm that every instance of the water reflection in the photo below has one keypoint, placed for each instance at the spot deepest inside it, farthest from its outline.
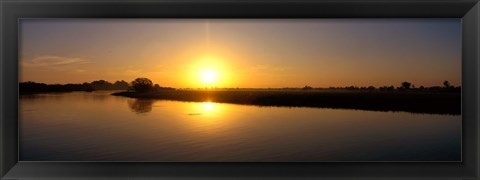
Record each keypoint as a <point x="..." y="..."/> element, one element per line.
<point x="95" y="96"/>
<point x="140" y="106"/>
<point x="143" y="106"/>
<point x="209" y="109"/>
<point x="97" y="127"/>
<point x="208" y="106"/>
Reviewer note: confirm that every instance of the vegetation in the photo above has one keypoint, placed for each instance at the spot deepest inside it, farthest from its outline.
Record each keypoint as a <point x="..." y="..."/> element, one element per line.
<point x="105" y="85"/>
<point x="138" y="85"/>
<point x="404" y="86"/>
<point x="33" y="87"/>
<point x="444" y="99"/>
<point x="142" y="85"/>
<point x="419" y="102"/>
<point x="307" y="87"/>
<point x="437" y="100"/>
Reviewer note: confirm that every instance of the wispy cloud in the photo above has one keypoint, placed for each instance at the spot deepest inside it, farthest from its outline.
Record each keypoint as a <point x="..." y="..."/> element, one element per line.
<point x="147" y="71"/>
<point x="133" y="72"/>
<point x="51" y="61"/>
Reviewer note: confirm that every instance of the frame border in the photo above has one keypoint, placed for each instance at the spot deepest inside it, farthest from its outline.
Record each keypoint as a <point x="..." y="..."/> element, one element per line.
<point x="12" y="11"/>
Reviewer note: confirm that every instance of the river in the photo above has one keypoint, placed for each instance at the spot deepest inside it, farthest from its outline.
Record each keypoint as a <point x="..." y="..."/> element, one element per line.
<point x="96" y="126"/>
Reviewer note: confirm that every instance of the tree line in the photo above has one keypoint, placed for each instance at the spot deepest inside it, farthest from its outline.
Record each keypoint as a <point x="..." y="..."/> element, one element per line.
<point x="139" y="85"/>
<point x="146" y="85"/>
<point x="91" y="86"/>
<point x="404" y="86"/>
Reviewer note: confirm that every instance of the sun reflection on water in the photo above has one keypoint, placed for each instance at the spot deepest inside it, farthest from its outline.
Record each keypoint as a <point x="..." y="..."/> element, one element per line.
<point x="208" y="106"/>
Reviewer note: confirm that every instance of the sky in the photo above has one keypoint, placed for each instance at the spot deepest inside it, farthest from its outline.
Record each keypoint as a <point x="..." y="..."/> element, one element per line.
<point x="245" y="53"/>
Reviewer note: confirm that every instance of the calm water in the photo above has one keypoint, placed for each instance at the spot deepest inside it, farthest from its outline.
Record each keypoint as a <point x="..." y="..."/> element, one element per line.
<point x="96" y="126"/>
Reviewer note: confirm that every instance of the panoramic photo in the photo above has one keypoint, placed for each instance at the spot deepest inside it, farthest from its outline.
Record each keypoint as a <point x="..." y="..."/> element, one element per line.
<point x="240" y="90"/>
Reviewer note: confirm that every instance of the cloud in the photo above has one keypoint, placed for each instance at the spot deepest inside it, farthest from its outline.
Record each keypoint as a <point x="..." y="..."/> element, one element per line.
<point x="53" y="61"/>
<point x="147" y="71"/>
<point x="133" y="71"/>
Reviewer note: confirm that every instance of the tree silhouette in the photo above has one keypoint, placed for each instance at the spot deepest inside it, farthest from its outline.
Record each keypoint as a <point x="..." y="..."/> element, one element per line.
<point x="156" y="87"/>
<point x="307" y="87"/>
<point x="406" y="85"/>
<point x="142" y="85"/>
<point x="100" y="84"/>
<point x="120" y="85"/>
<point x="446" y="84"/>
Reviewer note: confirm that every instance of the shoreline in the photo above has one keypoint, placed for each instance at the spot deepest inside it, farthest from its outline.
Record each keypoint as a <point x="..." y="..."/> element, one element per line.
<point x="414" y="102"/>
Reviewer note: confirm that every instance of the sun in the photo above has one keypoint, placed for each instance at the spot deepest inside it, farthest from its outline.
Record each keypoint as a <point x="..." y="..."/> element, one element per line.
<point x="209" y="77"/>
<point x="208" y="71"/>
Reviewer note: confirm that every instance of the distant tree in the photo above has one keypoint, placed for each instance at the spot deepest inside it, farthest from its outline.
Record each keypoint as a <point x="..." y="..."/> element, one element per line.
<point x="142" y="85"/>
<point x="123" y="85"/>
<point x="351" y="88"/>
<point x="33" y="87"/>
<point x="406" y="85"/>
<point x="87" y="86"/>
<point x="307" y="87"/>
<point x="435" y="88"/>
<point x="457" y="89"/>
<point x="370" y="88"/>
<point x="386" y="88"/>
<point x="446" y="84"/>
<point x="101" y="85"/>
<point x="157" y="87"/>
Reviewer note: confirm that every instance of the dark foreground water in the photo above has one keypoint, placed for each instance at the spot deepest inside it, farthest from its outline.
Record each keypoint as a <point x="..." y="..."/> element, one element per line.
<point x="95" y="126"/>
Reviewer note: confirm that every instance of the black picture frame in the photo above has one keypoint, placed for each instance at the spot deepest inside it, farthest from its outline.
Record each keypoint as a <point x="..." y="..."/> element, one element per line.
<point x="13" y="10"/>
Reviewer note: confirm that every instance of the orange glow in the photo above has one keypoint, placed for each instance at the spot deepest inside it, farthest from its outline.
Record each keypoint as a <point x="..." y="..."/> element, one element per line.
<point x="208" y="71"/>
<point x="208" y="106"/>
<point x="209" y="77"/>
<point x="208" y="53"/>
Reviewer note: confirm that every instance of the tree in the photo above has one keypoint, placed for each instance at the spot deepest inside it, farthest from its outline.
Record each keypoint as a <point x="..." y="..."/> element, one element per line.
<point x="307" y="87"/>
<point x="87" y="86"/>
<point x="142" y="85"/>
<point x="120" y="85"/>
<point x="101" y="85"/>
<point x="157" y="87"/>
<point x="446" y="84"/>
<point x="406" y="85"/>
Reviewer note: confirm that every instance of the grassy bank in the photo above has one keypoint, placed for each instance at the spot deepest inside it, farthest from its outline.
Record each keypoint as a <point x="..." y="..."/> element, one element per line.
<point x="416" y="102"/>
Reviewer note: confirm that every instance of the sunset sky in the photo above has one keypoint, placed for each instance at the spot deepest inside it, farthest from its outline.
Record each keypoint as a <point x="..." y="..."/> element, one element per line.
<point x="245" y="53"/>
